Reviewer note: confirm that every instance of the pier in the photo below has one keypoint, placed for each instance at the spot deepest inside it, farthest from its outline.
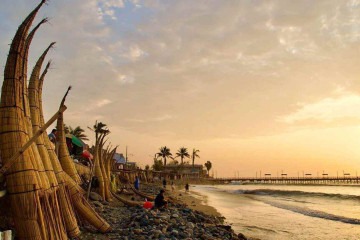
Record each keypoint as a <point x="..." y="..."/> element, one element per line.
<point x="348" y="180"/>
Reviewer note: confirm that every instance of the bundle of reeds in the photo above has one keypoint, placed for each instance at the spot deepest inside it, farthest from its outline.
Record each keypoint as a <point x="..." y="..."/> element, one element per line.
<point x="30" y="206"/>
<point x="100" y="133"/>
<point x="141" y="194"/>
<point x="108" y="160"/>
<point x="37" y="159"/>
<point x="37" y="202"/>
<point x="103" y="156"/>
<point x="83" y="171"/>
<point x="62" y="200"/>
<point x="126" y="201"/>
<point x="66" y="161"/>
<point x="81" y="206"/>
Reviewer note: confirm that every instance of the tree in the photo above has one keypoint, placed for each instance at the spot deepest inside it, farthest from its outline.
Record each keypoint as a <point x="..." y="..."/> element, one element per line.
<point x="158" y="165"/>
<point x="208" y="166"/>
<point x="164" y="153"/>
<point x="194" y="155"/>
<point x="182" y="153"/>
<point x="78" y="132"/>
<point x="174" y="162"/>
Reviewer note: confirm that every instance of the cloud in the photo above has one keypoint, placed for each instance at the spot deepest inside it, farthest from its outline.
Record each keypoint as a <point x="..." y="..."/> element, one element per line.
<point x="326" y="110"/>
<point x="227" y="67"/>
<point x="161" y="118"/>
<point x="107" y="8"/>
<point x="135" y="53"/>
<point x="103" y="102"/>
<point x="125" y="79"/>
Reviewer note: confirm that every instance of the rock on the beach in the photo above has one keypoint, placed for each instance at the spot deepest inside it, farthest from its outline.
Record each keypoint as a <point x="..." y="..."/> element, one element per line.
<point x="138" y="231"/>
<point x="95" y="197"/>
<point x="191" y="225"/>
<point x="175" y="222"/>
<point x="241" y="236"/>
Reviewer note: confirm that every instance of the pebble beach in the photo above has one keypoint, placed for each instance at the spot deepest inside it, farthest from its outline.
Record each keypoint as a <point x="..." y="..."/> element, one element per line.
<point x="186" y="217"/>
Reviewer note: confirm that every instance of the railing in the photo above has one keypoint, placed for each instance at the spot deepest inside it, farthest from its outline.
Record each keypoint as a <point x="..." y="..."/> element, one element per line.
<point x="322" y="178"/>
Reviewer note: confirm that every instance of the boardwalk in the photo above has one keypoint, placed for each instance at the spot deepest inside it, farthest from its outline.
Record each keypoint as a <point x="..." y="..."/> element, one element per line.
<point x="291" y="180"/>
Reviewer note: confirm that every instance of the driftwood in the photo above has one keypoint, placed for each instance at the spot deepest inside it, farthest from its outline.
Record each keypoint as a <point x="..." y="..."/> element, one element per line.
<point x="127" y="202"/>
<point x="141" y="194"/>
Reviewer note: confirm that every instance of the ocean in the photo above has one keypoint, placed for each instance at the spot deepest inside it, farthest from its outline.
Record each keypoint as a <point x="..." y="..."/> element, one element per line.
<point x="287" y="211"/>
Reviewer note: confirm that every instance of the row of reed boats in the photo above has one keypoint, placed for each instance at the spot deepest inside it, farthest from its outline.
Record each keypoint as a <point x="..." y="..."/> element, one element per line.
<point x="43" y="196"/>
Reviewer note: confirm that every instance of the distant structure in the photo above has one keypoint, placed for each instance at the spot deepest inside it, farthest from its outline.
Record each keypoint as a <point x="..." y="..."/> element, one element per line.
<point x="178" y="171"/>
<point x="119" y="161"/>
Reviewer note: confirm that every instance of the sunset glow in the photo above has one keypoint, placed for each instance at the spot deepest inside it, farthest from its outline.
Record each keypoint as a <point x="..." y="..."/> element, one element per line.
<point x="270" y="86"/>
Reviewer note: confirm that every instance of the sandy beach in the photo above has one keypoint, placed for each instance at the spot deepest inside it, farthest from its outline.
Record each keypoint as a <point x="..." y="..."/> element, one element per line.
<point x="192" y="199"/>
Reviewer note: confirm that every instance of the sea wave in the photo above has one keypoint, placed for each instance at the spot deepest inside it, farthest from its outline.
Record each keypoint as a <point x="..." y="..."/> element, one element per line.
<point x="313" y="213"/>
<point x="285" y="193"/>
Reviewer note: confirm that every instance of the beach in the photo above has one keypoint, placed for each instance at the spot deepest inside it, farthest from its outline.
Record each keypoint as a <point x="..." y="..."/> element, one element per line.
<point x="188" y="216"/>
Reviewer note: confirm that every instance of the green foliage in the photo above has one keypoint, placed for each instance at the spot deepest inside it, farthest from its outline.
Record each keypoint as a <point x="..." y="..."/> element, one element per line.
<point x="182" y="153"/>
<point x="164" y="153"/>
<point x="101" y="128"/>
<point x="195" y="155"/>
<point x="158" y="165"/>
<point x="78" y="132"/>
<point x="208" y="166"/>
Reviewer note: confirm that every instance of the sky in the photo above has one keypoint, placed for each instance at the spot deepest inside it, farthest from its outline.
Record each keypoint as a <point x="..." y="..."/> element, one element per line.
<point x="268" y="86"/>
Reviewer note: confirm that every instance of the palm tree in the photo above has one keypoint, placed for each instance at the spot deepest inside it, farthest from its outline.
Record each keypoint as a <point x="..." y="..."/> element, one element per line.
<point x="99" y="127"/>
<point x="182" y="153"/>
<point x="194" y="155"/>
<point x="78" y="132"/>
<point x="208" y="166"/>
<point x="164" y="153"/>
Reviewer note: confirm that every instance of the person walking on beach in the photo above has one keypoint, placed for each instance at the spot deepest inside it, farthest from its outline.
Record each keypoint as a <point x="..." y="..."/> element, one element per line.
<point x="164" y="183"/>
<point x="137" y="183"/>
<point x="186" y="187"/>
<point x="172" y="186"/>
<point x="160" y="201"/>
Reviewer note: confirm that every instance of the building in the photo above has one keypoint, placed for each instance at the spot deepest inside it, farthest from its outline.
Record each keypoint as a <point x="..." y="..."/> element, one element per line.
<point x="121" y="164"/>
<point x="119" y="161"/>
<point x="176" y="171"/>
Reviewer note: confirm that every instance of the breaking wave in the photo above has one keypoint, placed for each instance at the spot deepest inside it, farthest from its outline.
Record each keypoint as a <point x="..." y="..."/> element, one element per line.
<point x="284" y="193"/>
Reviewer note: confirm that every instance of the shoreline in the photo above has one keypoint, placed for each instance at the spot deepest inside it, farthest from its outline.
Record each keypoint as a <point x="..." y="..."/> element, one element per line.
<point x="193" y="200"/>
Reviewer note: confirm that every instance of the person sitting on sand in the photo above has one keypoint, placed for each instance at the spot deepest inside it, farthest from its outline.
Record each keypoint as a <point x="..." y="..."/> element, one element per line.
<point x="160" y="201"/>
